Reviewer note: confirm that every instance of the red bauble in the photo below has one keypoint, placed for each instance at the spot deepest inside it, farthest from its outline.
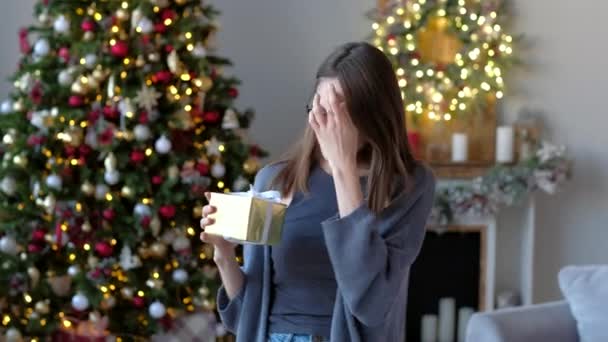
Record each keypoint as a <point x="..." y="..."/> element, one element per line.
<point x="160" y="28"/>
<point x="93" y="116"/>
<point x="120" y="49"/>
<point x="110" y="113"/>
<point x="168" y="48"/>
<point x="167" y="13"/>
<point x="167" y="211"/>
<point x="34" y="247"/>
<point x="143" y="118"/>
<point x="109" y="214"/>
<point x="38" y="235"/>
<point x="87" y="25"/>
<point x="157" y="180"/>
<point x="137" y="156"/>
<point x="254" y="150"/>
<point x="36" y="94"/>
<point x="64" y="53"/>
<point x="24" y="44"/>
<point x="103" y="249"/>
<point x="75" y="101"/>
<point x="139" y="302"/>
<point x="70" y="151"/>
<point x="202" y="168"/>
<point x="233" y="92"/>
<point x="84" y="149"/>
<point x="211" y="117"/>
<point x="162" y="76"/>
<point x="145" y="221"/>
<point x="34" y="140"/>
<point x="106" y="137"/>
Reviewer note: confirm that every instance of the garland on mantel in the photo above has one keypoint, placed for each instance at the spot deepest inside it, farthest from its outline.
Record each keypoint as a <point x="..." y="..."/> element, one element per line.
<point x="502" y="185"/>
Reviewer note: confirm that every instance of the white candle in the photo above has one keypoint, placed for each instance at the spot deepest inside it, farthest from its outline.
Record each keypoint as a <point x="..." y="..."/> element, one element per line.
<point x="447" y="311"/>
<point x="429" y="328"/>
<point x="504" y="144"/>
<point x="464" y="315"/>
<point x="460" y="147"/>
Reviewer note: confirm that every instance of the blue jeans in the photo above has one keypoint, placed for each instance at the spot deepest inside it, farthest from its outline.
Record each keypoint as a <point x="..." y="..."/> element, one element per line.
<point x="274" y="337"/>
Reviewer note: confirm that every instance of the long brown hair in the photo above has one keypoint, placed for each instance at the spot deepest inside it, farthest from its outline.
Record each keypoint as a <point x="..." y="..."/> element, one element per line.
<point x="374" y="102"/>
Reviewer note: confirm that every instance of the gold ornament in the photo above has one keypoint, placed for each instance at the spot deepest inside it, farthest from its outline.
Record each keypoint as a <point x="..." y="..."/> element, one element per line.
<point x="173" y="172"/>
<point x="60" y="285"/>
<point x="158" y="250"/>
<point x="86" y="226"/>
<point x="76" y="135"/>
<point x="92" y="261"/>
<point x="203" y="291"/>
<point x="127" y="292"/>
<point x="49" y="203"/>
<point x="197" y="211"/>
<point x="128" y="135"/>
<point x="88" y="36"/>
<point x="122" y="14"/>
<point x="154" y="57"/>
<point x="42" y="307"/>
<point x="180" y="2"/>
<point x="34" y="275"/>
<point x="20" y="160"/>
<point x="126" y="191"/>
<point x="93" y="82"/>
<point x="155" y="226"/>
<point x="204" y="83"/>
<point x="140" y="61"/>
<point x="98" y="74"/>
<point x="87" y="188"/>
<point x="79" y="88"/>
<point x="251" y="165"/>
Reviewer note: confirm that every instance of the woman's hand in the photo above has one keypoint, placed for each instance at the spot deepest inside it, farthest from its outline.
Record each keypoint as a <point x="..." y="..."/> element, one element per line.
<point x="335" y="132"/>
<point x="224" y="249"/>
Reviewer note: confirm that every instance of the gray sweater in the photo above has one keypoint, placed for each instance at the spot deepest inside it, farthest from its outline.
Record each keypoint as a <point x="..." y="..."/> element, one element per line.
<point x="371" y="256"/>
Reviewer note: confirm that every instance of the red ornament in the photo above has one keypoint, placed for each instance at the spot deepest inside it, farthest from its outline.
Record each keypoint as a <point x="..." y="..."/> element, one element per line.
<point x="233" y="92"/>
<point x="35" y="140"/>
<point x="38" y="235"/>
<point x="36" y="93"/>
<point x="64" y="53"/>
<point x="34" y="247"/>
<point x="143" y="118"/>
<point x="137" y="156"/>
<point x="24" y="44"/>
<point x="160" y="28"/>
<point x="157" y="180"/>
<point x="103" y="249"/>
<point x="93" y="116"/>
<point x="109" y="214"/>
<point x="84" y="149"/>
<point x="139" y="302"/>
<point x="167" y="13"/>
<point x="167" y="211"/>
<point x="162" y="77"/>
<point x="145" y="221"/>
<point x="67" y="172"/>
<point x="254" y="150"/>
<point x="211" y="117"/>
<point x="202" y="168"/>
<point x="110" y="113"/>
<point x="87" y="25"/>
<point x="75" y="101"/>
<point x="107" y="136"/>
<point x="120" y="49"/>
<point x="168" y="48"/>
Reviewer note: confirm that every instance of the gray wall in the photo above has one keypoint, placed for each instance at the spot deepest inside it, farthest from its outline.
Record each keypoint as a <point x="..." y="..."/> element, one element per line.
<point x="276" y="46"/>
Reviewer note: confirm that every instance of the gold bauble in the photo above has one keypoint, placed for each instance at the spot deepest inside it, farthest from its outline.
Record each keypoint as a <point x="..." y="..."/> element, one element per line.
<point x="76" y="136"/>
<point x="20" y="160"/>
<point x="180" y="2"/>
<point x="86" y="226"/>
<point x="93" y="82"/>
<point x="34" y="275"/>
<point x="126" y="191"/>
<point x="203" y="291"/>
<point x="251" y="165"/>
<point x="42" y="307"/>
<point x="140" y="61"/>
<point x="98" y="74"/>
<point x="155" y="226"/>
<point x="122" y="14"/>
<point x="88" y="36"/>
<point x="197" y="211"/>
<point x="78" y="88"/>
<point x="87" y="188"/>
<point x="158" y="250"/>
<point x="205" y="83"/>
<point x="127" y="292"/>
<point x="128" y="135"/>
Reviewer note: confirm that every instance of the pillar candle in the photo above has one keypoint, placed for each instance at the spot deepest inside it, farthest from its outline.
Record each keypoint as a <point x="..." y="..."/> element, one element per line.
<point x="447" y="324"/>
<point x="504" y="144"/>
<point x="460" y="147"/>
<point x="429" y="328"/>
<point x="464" y="315"/>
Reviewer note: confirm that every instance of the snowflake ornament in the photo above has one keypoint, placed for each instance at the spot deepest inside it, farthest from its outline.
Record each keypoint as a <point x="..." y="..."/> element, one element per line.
<point x="147" y="98"/>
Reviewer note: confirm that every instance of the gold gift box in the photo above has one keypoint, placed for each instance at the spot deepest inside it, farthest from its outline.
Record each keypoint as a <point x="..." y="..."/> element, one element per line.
<point x="245" y="218"/>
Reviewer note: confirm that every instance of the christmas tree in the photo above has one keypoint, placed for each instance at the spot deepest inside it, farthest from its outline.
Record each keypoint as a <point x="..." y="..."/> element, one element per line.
<point x="120" y="119"/>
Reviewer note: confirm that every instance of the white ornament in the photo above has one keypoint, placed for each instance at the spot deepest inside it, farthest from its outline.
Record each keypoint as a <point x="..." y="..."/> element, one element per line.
<point x="218" y="170"/>
<point x="61" y="24"/>
<point x="6" y="107"/>
<point x="199" y="50"/>
<point x="142" y="210"/>
<point x="180" y="276"/>
<point x="145" y="26"/>
<point x="230" y="120"/>
<point x="173" y="62"/>
<point x="111" y="177"/>
<point x="110" y="162"/>
<point x="90" y="60"/>
<point x="13" y="335"/>
<point x="100" y="191"/>
<point x="163" y="145"/>
<point x="8" y="245"/>
<point x="141" y="132"/>
<point x="213" y="147"/>
<point x="147" y="98"/>
<point x="173" y="172"/>
<point x="24" y="84"/>
<point x="65" y="78"/>
<point x="80" y="302"/>
<point x="8" y="185"/>
<point x="73" y="270"/>
<point x="41" y="48"/>
<point x="128" y="261"/>
<point x="181" y="243"/>
<point x="240" y="184"/>
<point x="136" y="17"/>
<point x="36" y="189"/>
<point x="54" y="182"/>
<point x="157" y="310"/>
<point x="64" y="240"/>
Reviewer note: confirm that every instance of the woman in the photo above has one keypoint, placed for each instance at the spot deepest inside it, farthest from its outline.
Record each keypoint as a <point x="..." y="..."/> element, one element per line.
<point x="358" y="203"/>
